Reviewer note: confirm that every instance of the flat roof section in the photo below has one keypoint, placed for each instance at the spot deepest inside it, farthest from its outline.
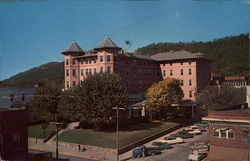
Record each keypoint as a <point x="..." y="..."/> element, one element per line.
<point x="178" y="55"/>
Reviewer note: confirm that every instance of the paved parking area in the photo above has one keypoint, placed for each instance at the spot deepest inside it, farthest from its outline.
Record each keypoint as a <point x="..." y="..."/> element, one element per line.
<point x="179" y="152"/>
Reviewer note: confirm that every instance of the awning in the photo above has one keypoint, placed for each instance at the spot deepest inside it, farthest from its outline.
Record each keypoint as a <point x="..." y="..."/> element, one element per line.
<point x="221" y="153"/>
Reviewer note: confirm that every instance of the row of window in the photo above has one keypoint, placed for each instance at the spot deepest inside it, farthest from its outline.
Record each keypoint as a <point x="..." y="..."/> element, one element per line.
<point x="238" y="83"/>
<point x="140" y="73"/>
<point x="189" y="82"/>
<point x="88" y="71"/>
<point x="226" y="133"/>
<point x="229" y="133"/>
<point x="181" y="63"/>
<point x="181" y="72"/>
<point x="73" y="84"/>
<point x="88" y="60"/>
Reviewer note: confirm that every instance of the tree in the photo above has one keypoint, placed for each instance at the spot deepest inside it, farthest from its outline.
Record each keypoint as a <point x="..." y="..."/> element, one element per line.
<point x="45" y="103"/>
<point x="218" y="97"/>
<point x="162" y="95"/>
<point x="93" y="99"/>
<point x="70" y="106"/>
<point x="225" y="53"/>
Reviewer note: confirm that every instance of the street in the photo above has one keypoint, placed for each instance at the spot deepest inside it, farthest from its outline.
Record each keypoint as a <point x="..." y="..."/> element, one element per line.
<point x="179" y="152"/>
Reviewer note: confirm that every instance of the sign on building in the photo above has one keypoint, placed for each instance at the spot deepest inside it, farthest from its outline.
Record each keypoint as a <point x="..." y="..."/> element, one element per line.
<point x="200" y="146"/>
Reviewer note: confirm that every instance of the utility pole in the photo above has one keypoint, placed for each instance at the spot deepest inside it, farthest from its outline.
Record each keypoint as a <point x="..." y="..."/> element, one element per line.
<point x="56" y="138"/>
<point x="117" y="131"/>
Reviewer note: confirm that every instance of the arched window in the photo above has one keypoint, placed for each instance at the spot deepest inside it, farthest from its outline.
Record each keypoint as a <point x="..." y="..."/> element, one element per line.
<point x="225" y="133"/>
<point x="216" y="132"/>
<point x="231" y="134"/>
<point x="246" y="136"/>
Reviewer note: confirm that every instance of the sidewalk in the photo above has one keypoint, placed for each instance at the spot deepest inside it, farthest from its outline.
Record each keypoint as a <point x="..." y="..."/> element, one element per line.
<point x="73" y="151"/>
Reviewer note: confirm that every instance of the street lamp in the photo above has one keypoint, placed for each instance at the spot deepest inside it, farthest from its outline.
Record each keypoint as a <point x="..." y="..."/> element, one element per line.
<point x="57" y="124"/>
<point x="117" y="130"/>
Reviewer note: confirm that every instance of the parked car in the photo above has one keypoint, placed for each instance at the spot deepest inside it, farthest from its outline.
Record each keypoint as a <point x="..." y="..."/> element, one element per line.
<point x="195" y="156"/>
<point x="140" y="152"/>
<point x="193" y="131"/>
<point x="202" y="124"/>
<point x="160" y="145"/>
<point x="144" y="151"/>
<point x="183" y="135"/>
<point x="195" y="127"/>
<point x="152" y="151"/>
<point x="173" y="140"/>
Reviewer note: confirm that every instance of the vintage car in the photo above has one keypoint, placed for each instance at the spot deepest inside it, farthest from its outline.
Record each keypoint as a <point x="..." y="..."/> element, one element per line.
<point x="145" y="151"/>
<point x="202" y="124"/>
<point x="139" y="152"/>
<point x="193" y="131"/>
<point x="183" y="135"/>
<point x="160" y="145"/>
<point x="152" y="151"/>
<point x="195" y="156"/>
<point x="173" y="140"/>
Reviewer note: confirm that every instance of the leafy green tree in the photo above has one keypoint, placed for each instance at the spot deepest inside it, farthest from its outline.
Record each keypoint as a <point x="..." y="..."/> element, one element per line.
<point x="93" y="99"/>
<point x="219" y="97"/>
<point x="45" y="103"/>
<point x="71" y="107"/>
<point x="162" y="95"/>
<point x="101" y="92"/>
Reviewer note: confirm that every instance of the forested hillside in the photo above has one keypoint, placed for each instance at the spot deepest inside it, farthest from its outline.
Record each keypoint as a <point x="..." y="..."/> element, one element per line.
<point x="50" y="74"/>
<point x="229" y="55"/>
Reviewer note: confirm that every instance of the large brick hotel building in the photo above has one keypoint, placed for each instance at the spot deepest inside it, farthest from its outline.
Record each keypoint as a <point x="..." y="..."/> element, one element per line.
<point x="137" y="71"/>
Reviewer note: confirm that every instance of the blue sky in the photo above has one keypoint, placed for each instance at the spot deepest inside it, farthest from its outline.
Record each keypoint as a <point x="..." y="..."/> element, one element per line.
<point x="35" y="32"/>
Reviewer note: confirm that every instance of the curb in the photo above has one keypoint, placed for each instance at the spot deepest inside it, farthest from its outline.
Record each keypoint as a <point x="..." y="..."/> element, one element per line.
<point x="68" y="154"/>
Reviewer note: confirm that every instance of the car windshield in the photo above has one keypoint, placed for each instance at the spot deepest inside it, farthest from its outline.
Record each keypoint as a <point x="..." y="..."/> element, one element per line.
<point x="142" y="147"/>
<point x="170" y="138"/>
<point x="182" y="132"/>
<point x="156" y="143"/>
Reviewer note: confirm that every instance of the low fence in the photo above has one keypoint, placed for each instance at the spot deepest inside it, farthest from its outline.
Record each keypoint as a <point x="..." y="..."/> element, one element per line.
<point x="150" y="138"/>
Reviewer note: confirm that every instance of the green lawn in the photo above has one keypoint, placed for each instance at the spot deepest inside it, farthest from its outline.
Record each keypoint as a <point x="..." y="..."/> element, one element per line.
<point x="108" y="139"/>
<point x="36" y="132"/>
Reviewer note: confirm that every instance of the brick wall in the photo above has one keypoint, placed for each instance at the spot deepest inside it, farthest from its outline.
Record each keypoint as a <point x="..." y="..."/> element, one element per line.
<point x="12" y="122"/>
<point x="235" y="143"/>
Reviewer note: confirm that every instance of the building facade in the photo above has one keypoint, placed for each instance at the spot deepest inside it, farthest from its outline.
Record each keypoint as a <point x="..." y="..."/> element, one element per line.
<point x="235" y="81"/>
<point x="138" y="72"/>
<point x="229" y="135"/>
<point x="192" y="69"/>
<point x="13" y="134"/>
